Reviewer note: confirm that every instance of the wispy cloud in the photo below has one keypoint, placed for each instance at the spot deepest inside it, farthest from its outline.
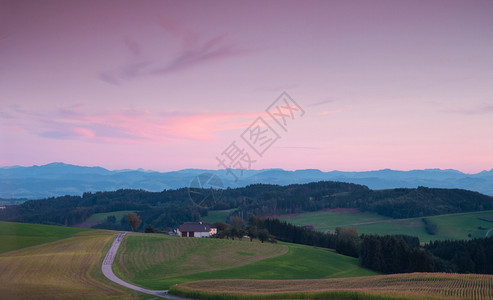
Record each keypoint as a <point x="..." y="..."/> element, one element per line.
<point x="125" y="125"/>
<point x="132" y="46"/>
<point x="192" y="49"/>
<point x="212" y="49"/>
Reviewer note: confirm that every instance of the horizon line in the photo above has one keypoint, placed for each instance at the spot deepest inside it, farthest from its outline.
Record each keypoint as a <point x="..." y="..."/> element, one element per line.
<point x="263" y="169"/>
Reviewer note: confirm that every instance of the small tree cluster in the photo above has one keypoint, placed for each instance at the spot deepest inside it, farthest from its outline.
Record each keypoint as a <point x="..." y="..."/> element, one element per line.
<point x="237" y="229"/>
<point x="150" y="229"/>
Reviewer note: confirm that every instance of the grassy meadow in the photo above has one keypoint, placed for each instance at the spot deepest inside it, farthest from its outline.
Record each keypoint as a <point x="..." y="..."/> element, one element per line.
<point x="452" y="226"/>
<point x="102" y="216"/>
<point x="20" y="235"/>
<point x="397" y="286"/>
<point x="214" y="216"/>
<point x="158" y="262"/>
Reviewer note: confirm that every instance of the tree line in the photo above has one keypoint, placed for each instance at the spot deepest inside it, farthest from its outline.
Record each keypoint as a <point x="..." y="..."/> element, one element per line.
<point x="171" y="208"/>
<point x="466" y="256"/>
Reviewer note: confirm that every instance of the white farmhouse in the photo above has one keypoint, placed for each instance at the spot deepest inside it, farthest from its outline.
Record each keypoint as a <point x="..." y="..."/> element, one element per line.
<point x="196" y="229"/>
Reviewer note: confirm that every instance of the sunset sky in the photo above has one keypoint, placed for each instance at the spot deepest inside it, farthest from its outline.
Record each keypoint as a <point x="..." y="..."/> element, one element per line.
<point x="168" y="85"/>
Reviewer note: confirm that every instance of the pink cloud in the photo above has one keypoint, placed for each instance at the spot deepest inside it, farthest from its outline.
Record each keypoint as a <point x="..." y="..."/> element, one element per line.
<point x="334" y="111"/>
<point x="203" y="126"/>
<point x="126" y="125"/>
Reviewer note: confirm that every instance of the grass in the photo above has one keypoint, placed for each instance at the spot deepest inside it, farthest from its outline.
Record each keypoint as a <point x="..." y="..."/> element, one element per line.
<point x="15" y="236"/>
<point x="214" y="216"/>
<point x="158" y="262"/>
<point x="452" y="226"/>
<point x="64" y="269"/>
<point x="329" y="220"/>
<point x="102" y="216"/>
<point x="398" y="286"/>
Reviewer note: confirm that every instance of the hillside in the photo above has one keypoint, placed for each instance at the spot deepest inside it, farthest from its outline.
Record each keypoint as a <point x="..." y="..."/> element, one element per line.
<point x="16" y="236"/>
<point x="52" y="262"/>
<point x="158" y="262"/>
<point x="457" y="226"/>
<point x="58" y="179"/>
<point x="400" y="286"/>
<point x="173" y="207"/>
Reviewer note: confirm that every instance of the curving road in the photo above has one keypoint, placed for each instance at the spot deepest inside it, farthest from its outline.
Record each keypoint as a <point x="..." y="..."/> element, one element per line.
<point x="108" y="272"/>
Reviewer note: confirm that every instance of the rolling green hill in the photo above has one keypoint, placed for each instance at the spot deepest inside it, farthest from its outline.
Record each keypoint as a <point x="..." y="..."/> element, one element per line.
<point x="451" y="226"/>
<point x="158" y="262"/>
<point x="20" y="235"/>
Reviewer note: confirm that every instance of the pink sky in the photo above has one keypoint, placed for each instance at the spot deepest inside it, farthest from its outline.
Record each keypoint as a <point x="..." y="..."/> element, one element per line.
<point x="167" y="85"/>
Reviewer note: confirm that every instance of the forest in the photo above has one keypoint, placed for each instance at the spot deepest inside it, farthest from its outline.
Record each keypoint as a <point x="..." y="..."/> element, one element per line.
<point x="170" y="208"/>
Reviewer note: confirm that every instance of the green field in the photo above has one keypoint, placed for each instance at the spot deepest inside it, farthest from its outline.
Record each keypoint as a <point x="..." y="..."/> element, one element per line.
<point x="15" y="236"/>
<point x="158" y="262"/>
<point x="397" y="286"/>
<point x="102" y="216"/>
<point x="453" y="226"/>
<point x="214" y="216"/>
<point x="329" y="220"/>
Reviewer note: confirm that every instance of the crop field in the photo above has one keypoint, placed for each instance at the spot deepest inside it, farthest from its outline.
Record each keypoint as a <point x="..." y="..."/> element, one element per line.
<point x="64" y="269"/>
<point x="102" y="216"/>
<point x="158" y="262"/>
<point x="398" y="286"/>
<point x="15" y="236"/>
<point x="452" y="226"/>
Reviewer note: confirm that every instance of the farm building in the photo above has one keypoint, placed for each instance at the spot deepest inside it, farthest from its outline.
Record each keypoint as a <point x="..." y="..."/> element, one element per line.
<point x="196" y="229"/>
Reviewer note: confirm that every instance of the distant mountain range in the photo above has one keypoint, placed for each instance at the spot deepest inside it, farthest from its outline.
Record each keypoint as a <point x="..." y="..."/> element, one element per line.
<point x="58" y="179"/>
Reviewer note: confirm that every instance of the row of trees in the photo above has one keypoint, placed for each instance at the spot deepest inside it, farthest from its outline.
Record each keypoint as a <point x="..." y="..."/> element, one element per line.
<point x="345" y="240"/>
<point x="430" y="227"/>
<point x="392" y="254"/>
<point x="471" y="256"/>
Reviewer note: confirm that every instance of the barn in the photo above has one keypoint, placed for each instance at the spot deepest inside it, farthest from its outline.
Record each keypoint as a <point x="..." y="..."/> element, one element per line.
<point x="196" y="229"/>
